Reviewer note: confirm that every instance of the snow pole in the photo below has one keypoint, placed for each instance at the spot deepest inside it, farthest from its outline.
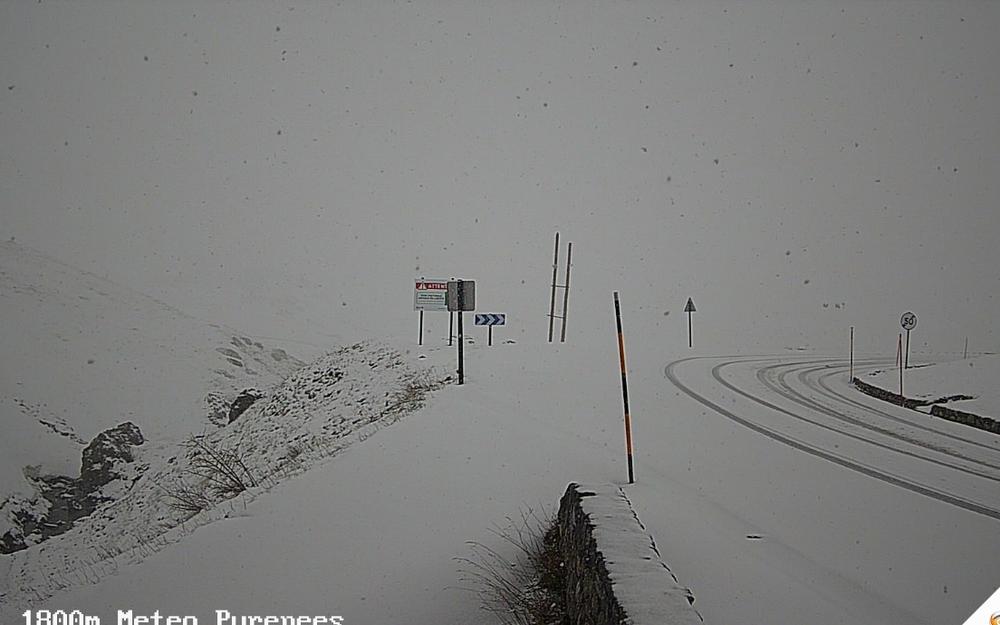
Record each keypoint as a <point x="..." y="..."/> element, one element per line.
<point x="552" y="303"/>
<point x="569" y="262"/>
<point x="852" y="355"/>
<point x="628" y="418"/>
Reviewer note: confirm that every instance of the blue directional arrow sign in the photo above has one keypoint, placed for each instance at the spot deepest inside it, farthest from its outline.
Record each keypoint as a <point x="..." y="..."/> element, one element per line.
<point x="491" y="319"/>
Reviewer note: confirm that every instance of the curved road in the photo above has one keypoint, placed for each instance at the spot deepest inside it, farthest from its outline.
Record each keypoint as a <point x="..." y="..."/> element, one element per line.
<point x="799" y="408"/>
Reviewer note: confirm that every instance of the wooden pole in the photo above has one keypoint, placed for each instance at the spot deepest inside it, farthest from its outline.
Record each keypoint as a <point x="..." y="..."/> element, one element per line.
<point x="420" y="339"/>
<point x="851" y="379"/>
<point x="552" y="304"/>
<point x="628" y="418"/>
<point x="569" y="263"/>
<point x="965" y="354"/>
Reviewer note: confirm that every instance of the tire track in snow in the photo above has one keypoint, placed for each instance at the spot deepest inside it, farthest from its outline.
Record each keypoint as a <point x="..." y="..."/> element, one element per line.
<point x="823" y="388"/>
<point x="837" y="459"/>
<point x="782" y="388"/>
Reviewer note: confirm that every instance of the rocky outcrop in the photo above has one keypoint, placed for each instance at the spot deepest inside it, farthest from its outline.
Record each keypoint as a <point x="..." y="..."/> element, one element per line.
<point x="244" y="400"/>
<point x="105" y="452"/>
<point x="614" y="574"/>
<point x="61" y="500"/>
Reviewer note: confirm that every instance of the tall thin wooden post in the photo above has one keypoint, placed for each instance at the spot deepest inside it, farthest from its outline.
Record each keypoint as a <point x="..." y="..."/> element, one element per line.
<point x="851" y="379"/>
<point x="628" y="418"/>
<point x="569" y="263"/>
<point x="965" y="353"/>
<point x="552" y="304"/>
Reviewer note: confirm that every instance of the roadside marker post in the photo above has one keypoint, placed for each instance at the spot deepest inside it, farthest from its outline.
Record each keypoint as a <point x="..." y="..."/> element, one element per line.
<point x="628" y="417"/>
<point x="490" y="320"/>
<point x="851" y="379"/>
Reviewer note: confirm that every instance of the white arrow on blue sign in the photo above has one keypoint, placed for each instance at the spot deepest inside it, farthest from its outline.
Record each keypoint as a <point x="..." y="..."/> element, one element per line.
<point x="491" y="319"/>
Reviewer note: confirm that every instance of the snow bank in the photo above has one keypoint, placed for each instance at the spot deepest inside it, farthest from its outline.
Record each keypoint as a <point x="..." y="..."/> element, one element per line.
<point x="614" y="570"/>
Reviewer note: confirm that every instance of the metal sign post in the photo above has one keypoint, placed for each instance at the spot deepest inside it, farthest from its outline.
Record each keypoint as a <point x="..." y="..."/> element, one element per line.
<point x="689" y="308"/>
<point x="490" y="320"/>
<point x="899" y="361"/>
<point x="461" y="296"/>
<point x="908" y="321"/>
<point x="428" y="295"/>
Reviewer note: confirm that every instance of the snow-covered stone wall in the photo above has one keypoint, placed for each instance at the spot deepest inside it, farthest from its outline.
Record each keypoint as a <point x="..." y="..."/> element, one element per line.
<point x="614" y="572"/>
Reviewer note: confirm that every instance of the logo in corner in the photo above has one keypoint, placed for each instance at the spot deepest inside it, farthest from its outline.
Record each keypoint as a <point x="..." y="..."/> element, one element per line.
<point x="989" y="612"/>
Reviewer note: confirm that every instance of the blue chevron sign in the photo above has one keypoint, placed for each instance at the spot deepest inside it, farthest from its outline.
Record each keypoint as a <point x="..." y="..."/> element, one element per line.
<point x="491" y="319"/>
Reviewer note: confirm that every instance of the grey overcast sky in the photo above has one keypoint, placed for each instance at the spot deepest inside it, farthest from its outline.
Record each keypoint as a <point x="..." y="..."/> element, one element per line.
<point x="291" y="167"/>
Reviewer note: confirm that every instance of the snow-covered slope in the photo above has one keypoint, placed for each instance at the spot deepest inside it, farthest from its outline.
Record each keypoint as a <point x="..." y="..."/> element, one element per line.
<point x="315" y="413"/>
<point x="82" y="354"/>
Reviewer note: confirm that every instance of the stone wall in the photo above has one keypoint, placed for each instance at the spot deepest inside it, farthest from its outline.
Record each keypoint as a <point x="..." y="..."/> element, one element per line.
<point x="614" y="573"/>
<point x="966" y="418"/>
<point x="889" y="396"/>
<point x="937" y="410"/>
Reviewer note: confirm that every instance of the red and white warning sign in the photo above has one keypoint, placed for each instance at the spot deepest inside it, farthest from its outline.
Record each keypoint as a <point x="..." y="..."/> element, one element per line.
<point x="430" y="294"/>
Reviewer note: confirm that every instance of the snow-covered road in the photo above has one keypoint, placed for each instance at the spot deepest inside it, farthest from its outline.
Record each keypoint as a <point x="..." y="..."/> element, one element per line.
<point x="869" y="511"/>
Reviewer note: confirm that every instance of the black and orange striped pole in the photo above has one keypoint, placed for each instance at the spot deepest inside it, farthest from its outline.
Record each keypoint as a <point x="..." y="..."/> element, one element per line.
<point x="628" y="418"/>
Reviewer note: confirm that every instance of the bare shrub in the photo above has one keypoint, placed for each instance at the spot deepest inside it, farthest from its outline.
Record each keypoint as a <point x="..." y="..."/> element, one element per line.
<point x="525" y="588"/>
<point x="223" y="468"/>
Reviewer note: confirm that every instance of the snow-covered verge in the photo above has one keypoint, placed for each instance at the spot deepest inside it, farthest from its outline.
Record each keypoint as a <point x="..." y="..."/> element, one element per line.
<point x="614" y="571"/>
<point x="978" y="378"/>
<point x="316" y="412"/>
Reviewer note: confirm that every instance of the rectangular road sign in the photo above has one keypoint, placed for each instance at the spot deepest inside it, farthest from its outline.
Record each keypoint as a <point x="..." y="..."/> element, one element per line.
<point x="467" y="301"/>
<point x="491" y="319"/>
<point x="430" y="294"/>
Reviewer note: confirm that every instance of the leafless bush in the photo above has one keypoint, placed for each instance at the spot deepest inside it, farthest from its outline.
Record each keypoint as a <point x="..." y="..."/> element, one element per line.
<point x="216" y="472"/>
<point x="189" y="498"/>
<point x="525" y="588"/>
<point x="223" y="468"/>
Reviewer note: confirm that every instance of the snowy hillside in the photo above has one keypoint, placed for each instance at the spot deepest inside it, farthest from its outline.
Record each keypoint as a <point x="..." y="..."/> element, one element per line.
<point x="315" y="413"/>
<point x="82" y="354"/>
<point x="199" y="198"/>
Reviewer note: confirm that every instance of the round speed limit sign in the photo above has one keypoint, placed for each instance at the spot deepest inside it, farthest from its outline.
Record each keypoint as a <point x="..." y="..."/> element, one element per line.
<point x="908" y="321"/>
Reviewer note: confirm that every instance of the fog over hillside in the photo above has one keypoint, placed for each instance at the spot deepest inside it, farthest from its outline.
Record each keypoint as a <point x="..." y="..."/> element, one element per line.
<point x="795" y="168"/>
